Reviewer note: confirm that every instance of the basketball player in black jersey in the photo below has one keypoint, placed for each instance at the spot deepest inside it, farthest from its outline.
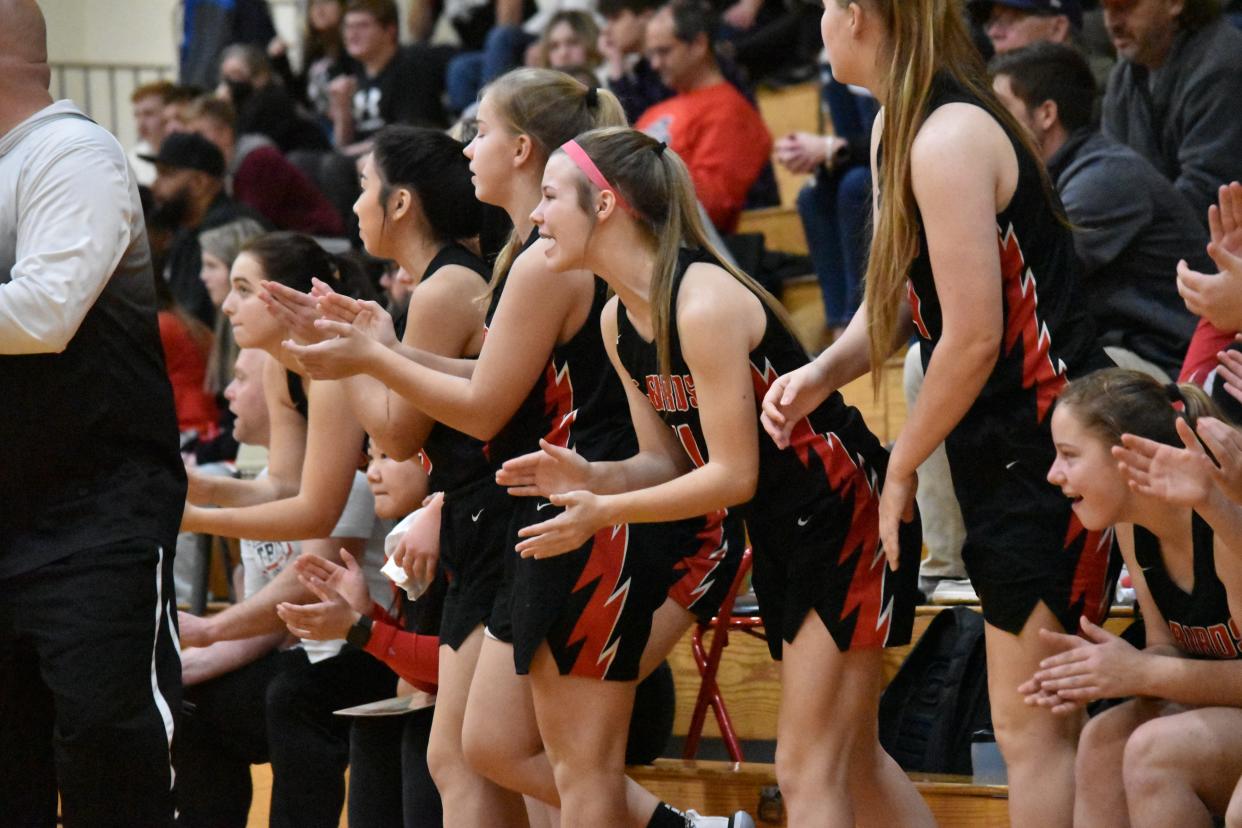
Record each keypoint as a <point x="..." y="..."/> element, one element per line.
<point x="416" y="203"/>
<point x="539" y="370"/>
<point x="695" y="344"/>
<point x="972" y="253"/>
<point x="1180" y="739"/>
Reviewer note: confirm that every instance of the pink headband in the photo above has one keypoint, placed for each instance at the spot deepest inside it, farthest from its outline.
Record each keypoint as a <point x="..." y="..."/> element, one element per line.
<point x="578" y="155"/>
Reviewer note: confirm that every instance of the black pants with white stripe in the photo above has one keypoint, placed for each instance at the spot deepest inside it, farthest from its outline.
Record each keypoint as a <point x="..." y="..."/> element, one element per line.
<point x="90" y="685"/>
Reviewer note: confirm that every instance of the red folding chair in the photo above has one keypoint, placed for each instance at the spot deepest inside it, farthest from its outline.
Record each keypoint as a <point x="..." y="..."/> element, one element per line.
<point x="738" y="613"/>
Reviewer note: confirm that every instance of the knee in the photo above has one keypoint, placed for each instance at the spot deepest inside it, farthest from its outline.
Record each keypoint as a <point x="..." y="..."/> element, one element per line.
<point x="808" y="202"/>
<point x="855" y="187"/>
<point x="803" y="770"/>
<point x="1031" y="736"/>
<point x="1143" y="764"/>
<point x="445" y="761"/>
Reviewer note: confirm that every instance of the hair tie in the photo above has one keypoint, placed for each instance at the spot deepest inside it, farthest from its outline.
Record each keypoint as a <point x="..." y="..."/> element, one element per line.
<point x="592" y="96"/>
<point x="579" y="156"/>
<point x="1173" y="392"/>
<point x="659" y="149"/>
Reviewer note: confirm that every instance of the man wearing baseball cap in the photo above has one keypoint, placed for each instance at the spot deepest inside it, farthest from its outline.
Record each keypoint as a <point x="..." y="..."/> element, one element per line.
<point x="1012" y="24"/>
<point x="189" y="194"/>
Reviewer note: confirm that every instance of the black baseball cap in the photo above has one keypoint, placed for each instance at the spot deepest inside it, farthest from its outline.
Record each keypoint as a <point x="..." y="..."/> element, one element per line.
<point x="1046" y="8"/>
<point x="189" y="151"/>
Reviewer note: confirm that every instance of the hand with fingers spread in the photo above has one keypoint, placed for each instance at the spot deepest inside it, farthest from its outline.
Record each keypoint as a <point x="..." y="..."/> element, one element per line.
<point x="295" y="310"/>
<point x="792" y="397"/>
<point x="418" y="551"/>
<point x="1218" y="296"/>
<point x="551" y="470"/>
<point x="1105" y="666"/>
<point x="896" y="507"/>
<point x="342" y="593"/>
<point x="349" y="352"/>
<point x="1182" y="476"/>
<point x="585" y="514"/>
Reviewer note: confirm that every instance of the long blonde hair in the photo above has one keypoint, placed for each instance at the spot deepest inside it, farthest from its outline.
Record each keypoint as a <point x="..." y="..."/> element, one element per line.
<point x="927" y="39"/>
<point x="550" y="108"/>
<point x="655" y="182"/>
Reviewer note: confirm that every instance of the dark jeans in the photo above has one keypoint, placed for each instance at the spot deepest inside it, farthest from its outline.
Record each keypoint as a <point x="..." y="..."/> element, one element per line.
<point x="835" y="212"/>
<point x="90" y="685"/>
<point x="469" y="72"/>
<point x="389" y="782"/>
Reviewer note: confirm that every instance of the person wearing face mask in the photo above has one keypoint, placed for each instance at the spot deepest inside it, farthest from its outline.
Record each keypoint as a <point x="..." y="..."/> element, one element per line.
<point x="263" y="103"/>
<point x="189" y="193"/>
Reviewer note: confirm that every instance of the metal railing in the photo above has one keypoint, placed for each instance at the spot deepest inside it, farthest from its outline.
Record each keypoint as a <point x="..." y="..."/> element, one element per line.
<point x="103" y="90"/>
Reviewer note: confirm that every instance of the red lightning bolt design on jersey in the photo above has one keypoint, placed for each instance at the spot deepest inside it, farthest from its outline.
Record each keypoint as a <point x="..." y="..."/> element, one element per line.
<point x="558" y="401"/>
<point x="916" y="310"/>
<point x="597" y="625"/>
<point x="1022" y="305"/>
<point x="849" y="480"/>
<point x="700" y="568"/>
<point x="1089" y="588"/>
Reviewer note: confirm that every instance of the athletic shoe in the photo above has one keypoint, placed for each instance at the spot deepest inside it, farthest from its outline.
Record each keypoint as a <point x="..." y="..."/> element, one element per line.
<point x="739" y="820"/>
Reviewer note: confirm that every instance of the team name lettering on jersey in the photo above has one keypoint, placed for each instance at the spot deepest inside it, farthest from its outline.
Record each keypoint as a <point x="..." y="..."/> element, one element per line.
<point x="675" y="393"/>
<point x="1216" y="641"/>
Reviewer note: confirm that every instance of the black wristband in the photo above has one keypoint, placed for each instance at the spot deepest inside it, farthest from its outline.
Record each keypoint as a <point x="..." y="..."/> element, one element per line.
<point x="360" y="633"/>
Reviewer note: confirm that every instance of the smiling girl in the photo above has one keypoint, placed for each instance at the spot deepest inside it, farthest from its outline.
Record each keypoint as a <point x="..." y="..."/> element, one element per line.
<point x="1170" y="756"/>
<point x="972" y="252"/>
<point x="542" y="374"/>
<point x="696" y="344"/>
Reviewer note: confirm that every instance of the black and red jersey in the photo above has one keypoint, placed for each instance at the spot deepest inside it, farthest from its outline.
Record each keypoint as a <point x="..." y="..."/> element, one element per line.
<point x="1048" y="335"/>
<point x="452" y="458"/>
<point x="813" y="520"/>
<point x="577" y="402"/>
<point x="1199" y="620"/>
<point x="833" y="443"/>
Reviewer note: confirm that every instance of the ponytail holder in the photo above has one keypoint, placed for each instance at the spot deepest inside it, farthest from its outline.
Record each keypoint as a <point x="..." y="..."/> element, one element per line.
<point x="592" y="96"/>
<point x="579" y="156"/>
<point x="659" y="149"/>
<point x="1173" y="392"/>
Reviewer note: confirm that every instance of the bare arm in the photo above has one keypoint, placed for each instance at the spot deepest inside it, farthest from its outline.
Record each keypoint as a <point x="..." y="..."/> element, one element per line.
<point x="257" y="614"/>
<point x="199" y="664"/>
<point x="333" y="448"/>
<point x="443" y="318"/>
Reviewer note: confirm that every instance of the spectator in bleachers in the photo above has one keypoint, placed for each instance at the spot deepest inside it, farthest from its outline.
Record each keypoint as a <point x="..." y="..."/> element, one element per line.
<point x="1130" y="226"/>
<point x="770" y="39"/>
<point x="392" y="84"/>
<point x="1013" y="24"/>
<point x="208" y="26"/>
<point x="835" y="206"/>
<point x="262" y="103"/>
<point x="708" y="123"/>
<point x="570" y="41"/>
<point x="1173" y="95"/>
<point x="148" y="107"/>
<point x="324" y="58"/>
<point x="260" y="177"/>
<point x="499" y="49"/>
<point x="189" y="192"/>
<point x="175" y="102"/>
<point x="628" y="73"/>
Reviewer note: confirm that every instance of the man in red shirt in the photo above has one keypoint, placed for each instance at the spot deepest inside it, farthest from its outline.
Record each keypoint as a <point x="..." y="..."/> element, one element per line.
<point x="715" y="130"/>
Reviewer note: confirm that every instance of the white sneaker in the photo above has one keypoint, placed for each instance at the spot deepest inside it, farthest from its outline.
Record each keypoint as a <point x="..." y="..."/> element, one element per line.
<point x="952" y="591"/>
<point x="739" y="820"/>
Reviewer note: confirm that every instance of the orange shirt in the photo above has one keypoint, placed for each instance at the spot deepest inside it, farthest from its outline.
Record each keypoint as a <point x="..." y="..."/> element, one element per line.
<point x="723" y="141"/>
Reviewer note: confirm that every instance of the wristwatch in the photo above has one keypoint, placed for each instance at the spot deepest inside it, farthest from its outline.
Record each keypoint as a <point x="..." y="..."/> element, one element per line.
<point x="360" y="633"/>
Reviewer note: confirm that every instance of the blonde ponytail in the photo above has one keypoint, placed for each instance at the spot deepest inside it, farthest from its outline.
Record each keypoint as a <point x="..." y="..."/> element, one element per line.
<point x="656" y="183"/>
